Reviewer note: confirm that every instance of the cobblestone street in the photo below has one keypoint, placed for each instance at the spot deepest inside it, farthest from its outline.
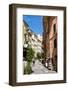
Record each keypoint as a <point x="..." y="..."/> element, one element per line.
<point x="38" y="68"/>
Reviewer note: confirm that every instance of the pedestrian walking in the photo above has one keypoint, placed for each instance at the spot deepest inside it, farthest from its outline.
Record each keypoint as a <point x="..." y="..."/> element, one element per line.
<point x="33" y="62"/>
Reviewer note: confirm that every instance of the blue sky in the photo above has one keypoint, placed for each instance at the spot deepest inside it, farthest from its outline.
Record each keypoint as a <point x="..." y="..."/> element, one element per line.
<point x="35" y="23"/>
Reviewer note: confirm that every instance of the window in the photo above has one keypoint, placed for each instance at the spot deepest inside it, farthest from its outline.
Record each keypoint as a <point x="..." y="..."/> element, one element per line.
<point x="55" y="43"/>
<point x="54" y="28"/>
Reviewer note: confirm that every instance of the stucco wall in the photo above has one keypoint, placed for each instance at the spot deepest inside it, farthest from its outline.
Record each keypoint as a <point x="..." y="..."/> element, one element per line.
<point x="52" y="35"/>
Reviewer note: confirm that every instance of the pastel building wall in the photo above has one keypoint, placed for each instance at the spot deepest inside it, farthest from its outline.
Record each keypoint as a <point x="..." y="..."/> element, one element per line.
<point x="32" y="39"/>
<point x="53" y="36"/>
<point x="50" y="40"/>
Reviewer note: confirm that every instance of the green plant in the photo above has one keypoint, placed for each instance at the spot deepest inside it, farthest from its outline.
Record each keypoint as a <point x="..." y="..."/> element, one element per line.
<point x="42" y="55"/>
<point x="30" y="54"/>
<point x="29" y="57"/>
<point x="27" y="69"/>
<point x="38" y="55"/>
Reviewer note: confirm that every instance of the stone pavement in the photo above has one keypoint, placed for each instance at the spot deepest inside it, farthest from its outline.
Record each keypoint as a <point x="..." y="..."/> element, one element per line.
<point x="38" y="68"/>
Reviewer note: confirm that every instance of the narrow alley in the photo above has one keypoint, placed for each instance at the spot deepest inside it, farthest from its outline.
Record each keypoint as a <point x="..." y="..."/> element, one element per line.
<point x="39" y="68"/>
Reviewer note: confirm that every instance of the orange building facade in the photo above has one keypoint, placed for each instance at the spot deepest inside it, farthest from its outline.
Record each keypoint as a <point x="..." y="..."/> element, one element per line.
<point x="50" y="41"/>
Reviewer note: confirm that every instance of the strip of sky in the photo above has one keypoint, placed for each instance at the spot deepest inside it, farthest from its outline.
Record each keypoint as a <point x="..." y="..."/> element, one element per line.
<point x="35" y="23"/>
